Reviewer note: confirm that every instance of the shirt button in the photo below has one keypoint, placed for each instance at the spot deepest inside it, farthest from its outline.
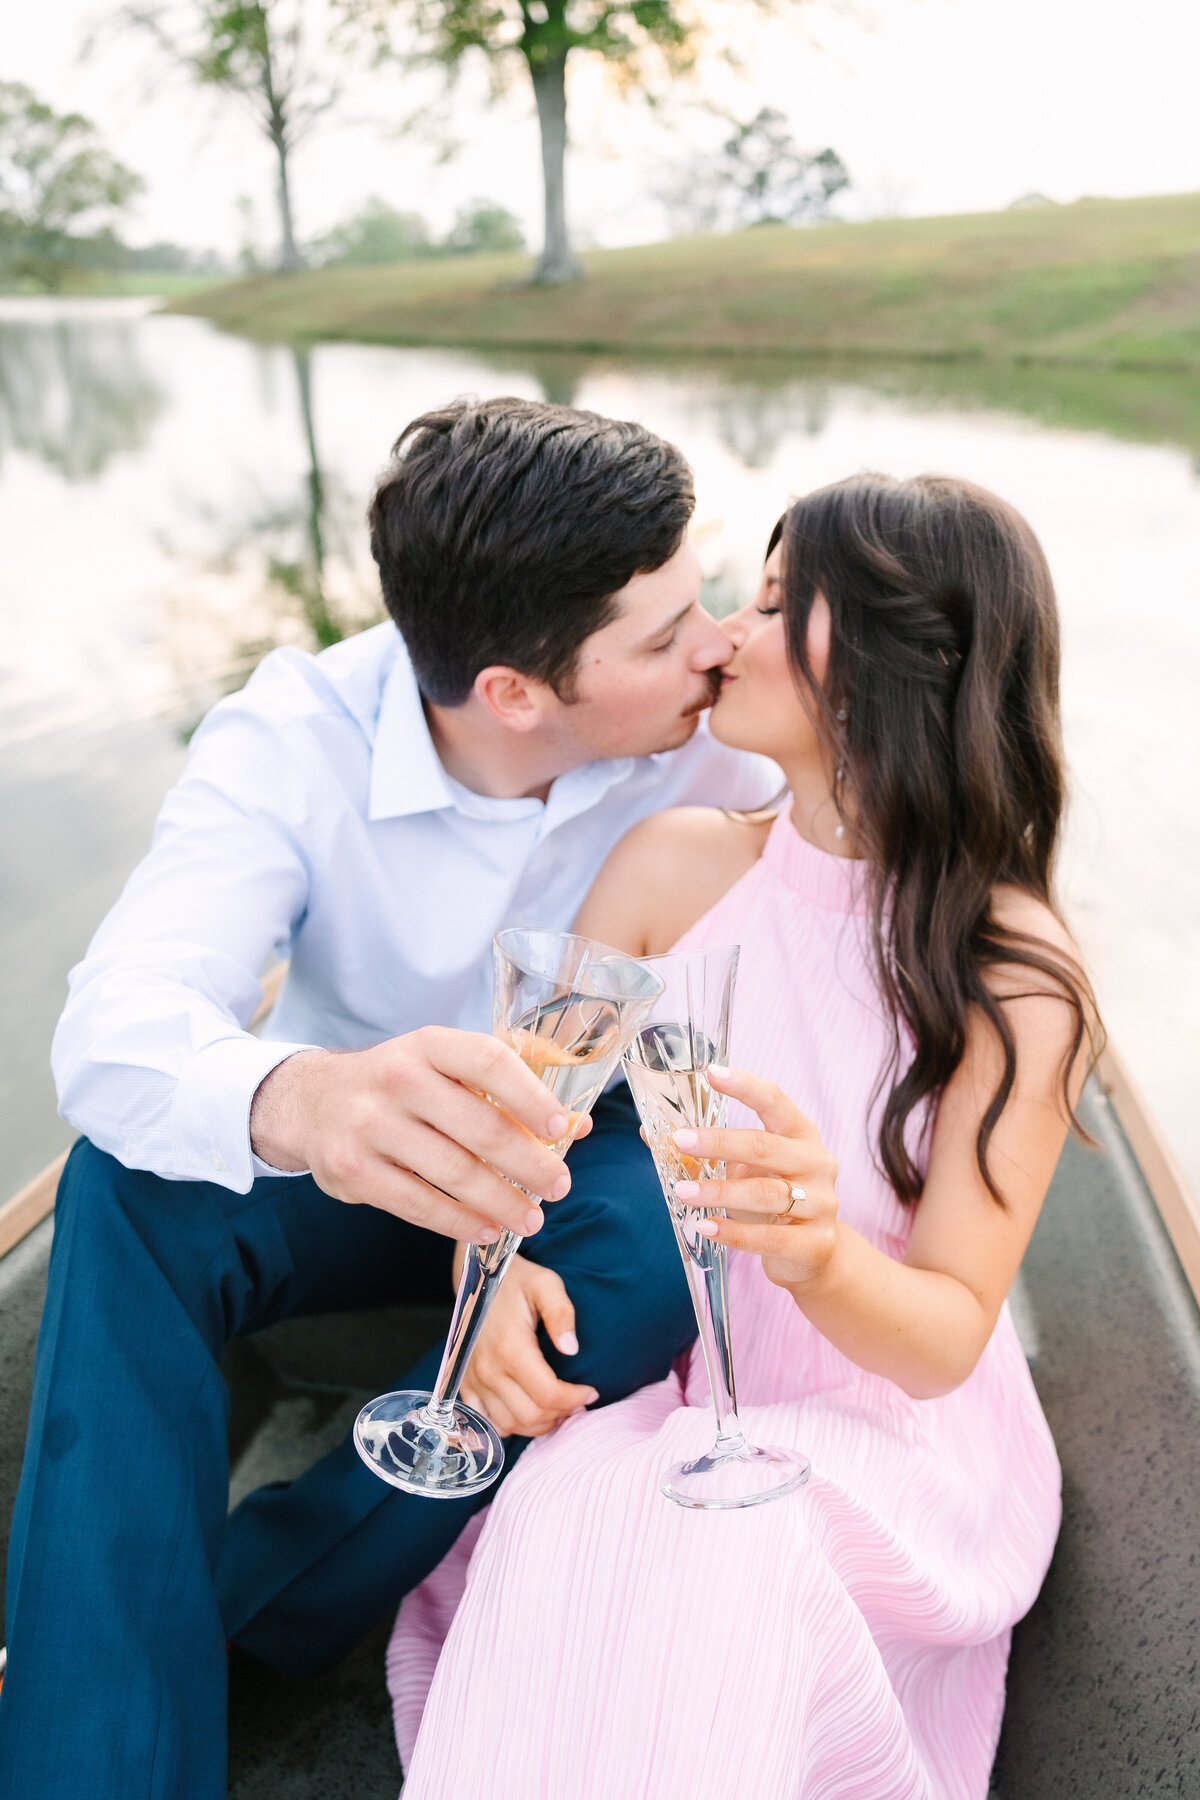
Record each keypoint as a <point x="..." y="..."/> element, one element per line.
<point x="217" y="1160"/>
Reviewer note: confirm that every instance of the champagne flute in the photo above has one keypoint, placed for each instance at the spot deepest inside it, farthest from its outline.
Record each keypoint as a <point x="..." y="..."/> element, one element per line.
<point x="665" y="1065"/>
<point x="567" y="1006"/>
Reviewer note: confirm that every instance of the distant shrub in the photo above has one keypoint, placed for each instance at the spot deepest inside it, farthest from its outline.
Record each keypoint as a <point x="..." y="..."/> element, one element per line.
<point x="376" y="233"/>
<point x="379" y="233"/>
<point x="60" y="191"/>
<point x="484" y="225"/>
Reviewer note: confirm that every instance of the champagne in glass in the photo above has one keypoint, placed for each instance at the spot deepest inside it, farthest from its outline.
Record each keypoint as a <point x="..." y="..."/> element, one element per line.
<point x="567" y="1006"/>
<point x="665" y="1064"/>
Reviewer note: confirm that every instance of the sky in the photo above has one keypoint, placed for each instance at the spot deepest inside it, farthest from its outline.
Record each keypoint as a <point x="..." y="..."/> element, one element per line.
<point x="934" y="105"/>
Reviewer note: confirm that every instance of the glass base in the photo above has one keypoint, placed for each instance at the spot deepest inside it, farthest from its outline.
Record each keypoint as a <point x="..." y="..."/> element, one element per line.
<point x="398" y="1440"/>
<point x="740" y="1476"/>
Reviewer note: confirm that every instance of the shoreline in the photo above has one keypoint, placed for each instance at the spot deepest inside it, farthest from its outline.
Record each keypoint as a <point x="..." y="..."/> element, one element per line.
<point x="1100" y="286"/>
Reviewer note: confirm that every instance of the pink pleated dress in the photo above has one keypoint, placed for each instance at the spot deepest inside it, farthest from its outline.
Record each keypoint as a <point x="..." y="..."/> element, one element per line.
<point x="587" y="1639"/>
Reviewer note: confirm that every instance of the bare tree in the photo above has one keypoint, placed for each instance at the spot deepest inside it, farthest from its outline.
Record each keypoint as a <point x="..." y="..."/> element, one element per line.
<point x="758" y="176"/>
<point x="276" y="57"/>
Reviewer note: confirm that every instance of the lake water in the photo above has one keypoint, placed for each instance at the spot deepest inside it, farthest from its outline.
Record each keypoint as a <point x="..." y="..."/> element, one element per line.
<point x="173" y="502"/>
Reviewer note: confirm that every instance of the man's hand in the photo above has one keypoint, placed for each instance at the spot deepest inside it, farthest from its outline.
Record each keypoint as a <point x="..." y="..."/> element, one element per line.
<point x="508" y="1378"/>
<point x="404" y="1126"/>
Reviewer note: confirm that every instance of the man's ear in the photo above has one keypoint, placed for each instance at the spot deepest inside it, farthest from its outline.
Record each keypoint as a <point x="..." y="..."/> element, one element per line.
<point x="518" y="702"/>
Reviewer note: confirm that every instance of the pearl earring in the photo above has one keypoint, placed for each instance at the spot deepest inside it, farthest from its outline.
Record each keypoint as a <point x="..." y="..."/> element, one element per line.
<point x="842" y="715"/>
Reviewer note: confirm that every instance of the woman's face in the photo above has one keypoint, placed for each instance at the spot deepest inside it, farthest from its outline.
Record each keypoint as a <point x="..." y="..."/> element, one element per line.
<point x="759" y="706"/>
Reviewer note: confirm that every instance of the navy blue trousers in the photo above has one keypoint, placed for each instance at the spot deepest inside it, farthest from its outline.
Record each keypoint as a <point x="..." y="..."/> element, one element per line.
<point x="125" y="1575"/>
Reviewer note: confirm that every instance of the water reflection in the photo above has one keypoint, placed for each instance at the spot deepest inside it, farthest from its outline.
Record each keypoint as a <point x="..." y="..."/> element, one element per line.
<point x="74" y="394"/>
<point x="753" y="402"/>
<point x="290" y="546"/>
<point x="305" y="541"/>
<point x="306" y="580"/>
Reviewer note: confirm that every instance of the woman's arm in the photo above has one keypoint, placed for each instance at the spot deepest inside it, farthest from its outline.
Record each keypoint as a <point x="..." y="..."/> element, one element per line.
<point x="924" y="1322"/>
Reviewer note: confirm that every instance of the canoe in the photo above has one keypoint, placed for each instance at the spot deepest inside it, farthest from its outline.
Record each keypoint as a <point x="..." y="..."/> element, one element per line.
<point x="1101" y="1691"/>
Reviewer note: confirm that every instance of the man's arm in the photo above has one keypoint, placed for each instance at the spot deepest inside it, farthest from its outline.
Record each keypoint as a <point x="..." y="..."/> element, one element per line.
<point x="154" y="1064"/>
<point x="152" y="1057"/>
<point x="404" y="1126"/>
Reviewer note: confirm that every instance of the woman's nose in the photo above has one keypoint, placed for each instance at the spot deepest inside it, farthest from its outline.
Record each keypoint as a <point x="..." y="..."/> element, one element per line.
<point x="734" y="627"/>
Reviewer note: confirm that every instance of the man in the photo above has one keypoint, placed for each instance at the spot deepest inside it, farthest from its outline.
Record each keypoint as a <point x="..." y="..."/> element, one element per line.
<point x="374" y="813"/>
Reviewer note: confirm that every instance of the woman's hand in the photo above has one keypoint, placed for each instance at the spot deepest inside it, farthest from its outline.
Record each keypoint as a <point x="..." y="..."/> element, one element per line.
<point x="780" y="1184"/>
<point x="508" y="1378"/>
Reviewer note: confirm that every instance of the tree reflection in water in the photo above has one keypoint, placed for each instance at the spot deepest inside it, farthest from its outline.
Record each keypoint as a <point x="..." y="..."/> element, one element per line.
<point x="75" y="393"/>
<point x="301" y="562"/>
<point x="304" y="579"/>
<point x="753" y="415"/>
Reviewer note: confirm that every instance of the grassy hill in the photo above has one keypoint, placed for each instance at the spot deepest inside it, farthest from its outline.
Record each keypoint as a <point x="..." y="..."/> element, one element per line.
<point x="1102" y="283"/>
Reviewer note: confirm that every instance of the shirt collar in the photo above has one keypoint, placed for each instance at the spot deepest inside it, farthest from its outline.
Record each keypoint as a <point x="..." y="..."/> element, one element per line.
<point x="407" y="776"/>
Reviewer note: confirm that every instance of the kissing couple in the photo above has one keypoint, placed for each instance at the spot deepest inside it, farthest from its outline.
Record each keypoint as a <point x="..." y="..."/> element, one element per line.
<point x="870" y="809"/>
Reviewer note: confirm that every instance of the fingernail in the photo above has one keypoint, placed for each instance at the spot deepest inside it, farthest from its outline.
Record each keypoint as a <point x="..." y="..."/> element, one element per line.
<point x="717" y="1069"/>
<point x="687" y="1190"/>
<point x="561" y="1188"/>
<point x="486" y="1236"/>
<point x="557" y="1125"/>
<point x="707" y="1227"/>
<point x="568" y="1343"/>
<point x="687" y="1139"/>
<point x="593" y="1396"/>
<point x="533" y="1221"/>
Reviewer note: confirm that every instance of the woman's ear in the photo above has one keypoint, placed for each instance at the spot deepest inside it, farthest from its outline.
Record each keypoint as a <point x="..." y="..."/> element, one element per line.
<point x="820" y="637"/>
<point x="518" y="702"/>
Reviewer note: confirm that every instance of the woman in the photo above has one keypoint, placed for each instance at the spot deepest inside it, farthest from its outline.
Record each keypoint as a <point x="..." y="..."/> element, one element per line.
<point x="908" y="986"/>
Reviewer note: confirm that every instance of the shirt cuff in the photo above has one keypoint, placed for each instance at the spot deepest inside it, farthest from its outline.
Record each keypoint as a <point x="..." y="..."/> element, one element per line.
<point x="210" y="1115"/>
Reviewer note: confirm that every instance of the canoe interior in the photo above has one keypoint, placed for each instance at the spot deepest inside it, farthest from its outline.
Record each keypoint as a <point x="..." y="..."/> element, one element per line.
<point x="1101" y="1698"/>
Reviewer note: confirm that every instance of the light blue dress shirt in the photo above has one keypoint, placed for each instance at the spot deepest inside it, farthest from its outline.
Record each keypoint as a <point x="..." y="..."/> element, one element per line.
<point x="315" y="821"/>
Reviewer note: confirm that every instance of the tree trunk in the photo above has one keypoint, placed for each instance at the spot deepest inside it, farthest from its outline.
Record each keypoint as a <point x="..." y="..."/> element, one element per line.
<point x="557" y="263"/>
<point x="289" y="256"/>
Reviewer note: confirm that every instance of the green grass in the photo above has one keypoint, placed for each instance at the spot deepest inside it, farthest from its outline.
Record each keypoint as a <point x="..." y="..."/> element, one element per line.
<point x="1102" y="284"/>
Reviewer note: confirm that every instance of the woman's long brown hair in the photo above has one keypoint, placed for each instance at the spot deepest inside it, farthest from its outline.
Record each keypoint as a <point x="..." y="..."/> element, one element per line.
<point x="940" y="714"/>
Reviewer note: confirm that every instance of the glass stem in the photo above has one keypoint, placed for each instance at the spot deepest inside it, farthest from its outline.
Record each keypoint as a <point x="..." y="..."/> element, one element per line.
<point x="710" y="1295"/>
<point x="482" y="1274"/>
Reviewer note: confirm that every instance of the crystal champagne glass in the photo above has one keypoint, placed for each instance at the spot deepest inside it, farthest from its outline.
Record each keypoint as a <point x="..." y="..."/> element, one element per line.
<point x="666" y="1062"/>
<point x="567" y="1006"/>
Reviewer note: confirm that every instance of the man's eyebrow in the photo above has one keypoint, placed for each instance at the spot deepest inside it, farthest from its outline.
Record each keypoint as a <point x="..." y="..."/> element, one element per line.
<point x="668" y="624"/>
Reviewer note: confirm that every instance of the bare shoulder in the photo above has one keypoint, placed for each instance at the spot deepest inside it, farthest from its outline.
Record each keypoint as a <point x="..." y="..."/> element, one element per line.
<point x="1028" y="918"/>
<point x="666" y="872"/>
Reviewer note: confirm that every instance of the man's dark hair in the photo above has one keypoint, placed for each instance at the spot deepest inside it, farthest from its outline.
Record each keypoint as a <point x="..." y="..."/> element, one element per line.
<point x="503" y="529"/>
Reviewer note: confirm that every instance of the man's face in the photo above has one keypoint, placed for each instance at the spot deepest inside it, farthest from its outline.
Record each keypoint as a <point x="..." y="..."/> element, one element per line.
<point x="643" y="680"/>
